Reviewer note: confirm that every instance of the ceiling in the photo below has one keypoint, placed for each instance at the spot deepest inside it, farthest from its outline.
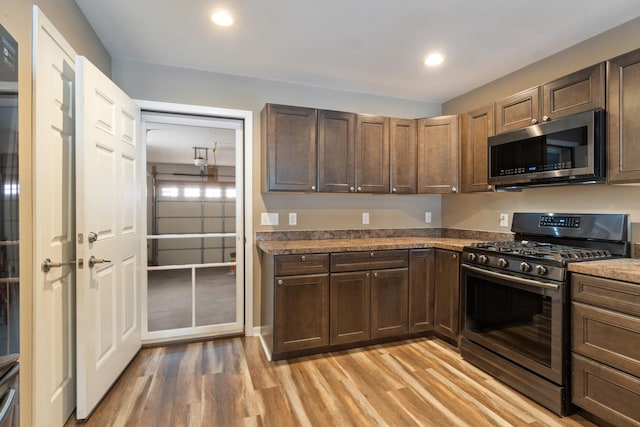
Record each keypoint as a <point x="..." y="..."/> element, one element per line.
<point x="374" y="46"/>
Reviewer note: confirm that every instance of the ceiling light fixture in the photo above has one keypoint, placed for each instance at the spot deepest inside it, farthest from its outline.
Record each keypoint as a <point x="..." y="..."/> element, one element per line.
<point x="222" y="18"/>
<point x="433" y="60"/>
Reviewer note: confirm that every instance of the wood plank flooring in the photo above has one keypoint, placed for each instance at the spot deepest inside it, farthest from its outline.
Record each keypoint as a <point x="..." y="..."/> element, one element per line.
<point x="229" y="382"/>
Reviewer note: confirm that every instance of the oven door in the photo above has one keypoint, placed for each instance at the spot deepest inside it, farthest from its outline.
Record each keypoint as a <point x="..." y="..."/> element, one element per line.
<point x="519" y="319"/>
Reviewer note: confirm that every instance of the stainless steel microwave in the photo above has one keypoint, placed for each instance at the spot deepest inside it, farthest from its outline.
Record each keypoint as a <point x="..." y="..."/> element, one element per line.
<point x="569" y="150"/>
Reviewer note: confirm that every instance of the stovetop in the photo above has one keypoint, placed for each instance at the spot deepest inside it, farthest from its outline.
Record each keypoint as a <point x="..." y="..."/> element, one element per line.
<point x="543" y="250"/>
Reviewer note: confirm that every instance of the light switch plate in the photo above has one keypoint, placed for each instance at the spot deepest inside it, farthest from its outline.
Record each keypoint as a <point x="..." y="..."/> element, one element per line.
<point x="293" y="218"/>
<point x="268" y="218"/>
<point x="427" y="217"/>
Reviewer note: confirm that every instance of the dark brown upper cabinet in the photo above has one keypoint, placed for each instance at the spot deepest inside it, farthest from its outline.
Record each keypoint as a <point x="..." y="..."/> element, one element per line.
<point x="574" y="93"/>
<point x="623" y="110"/>
<point x="404" y="150"/>
<point x="372" y="154"/>
<point x="577" y="92"/>
<point x="518" y="110"/>
<point x="477" y="127"/>
<point x="336" y="151"/>
<point x="290" y="148"/>
<point x="438" y="139"/>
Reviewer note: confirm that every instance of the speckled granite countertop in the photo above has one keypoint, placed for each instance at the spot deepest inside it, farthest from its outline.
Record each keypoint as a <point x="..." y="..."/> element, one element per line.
<point x="287" y="247"/>
<point x="626" y="269"/>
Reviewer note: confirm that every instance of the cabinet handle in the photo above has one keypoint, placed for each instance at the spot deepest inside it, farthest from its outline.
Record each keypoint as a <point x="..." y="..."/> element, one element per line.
<point x="280" y="282"/>
<point x="303" y="258"/>
<point x="375" y="275"/>
<point x="534" y="121"/>
<point x="367" y="275"/>
<point x="546" y="118"/>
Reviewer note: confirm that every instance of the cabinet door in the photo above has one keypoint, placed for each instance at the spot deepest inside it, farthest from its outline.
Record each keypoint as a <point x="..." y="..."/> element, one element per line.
<point x="447" y="290"/>
<point x="581" y="91"/>
<point x="372" y="154"/>
<point x="477" y="127"/>
<point x="404" y="150"/>
<point x="623" y="126"/>
<point x="518" y="110"/>
<point x="438" y="155"/>
<point x="336" y="151"/>
<point x="301" y="312"/>
<point x="350" y="307"/>
<point x="389" y="294"/>
<point x="421" y="289"/>
<point x="290" y="135"/>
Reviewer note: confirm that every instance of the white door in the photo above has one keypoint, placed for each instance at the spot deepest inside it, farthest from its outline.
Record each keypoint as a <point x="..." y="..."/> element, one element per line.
<point x="54" y="291"/>
<point x="110" y="172"/>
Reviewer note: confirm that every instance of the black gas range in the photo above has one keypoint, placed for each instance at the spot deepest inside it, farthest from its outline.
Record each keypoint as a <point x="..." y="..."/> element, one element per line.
<point x="515" y="322"/>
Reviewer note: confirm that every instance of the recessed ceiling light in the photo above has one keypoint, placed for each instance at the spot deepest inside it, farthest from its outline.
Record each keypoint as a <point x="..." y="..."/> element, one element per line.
<point x="222" y="18"/>
<point x="433" y="59"/>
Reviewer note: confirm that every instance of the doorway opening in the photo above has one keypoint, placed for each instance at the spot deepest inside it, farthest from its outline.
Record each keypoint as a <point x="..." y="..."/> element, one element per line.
<point x="195" y="280"/>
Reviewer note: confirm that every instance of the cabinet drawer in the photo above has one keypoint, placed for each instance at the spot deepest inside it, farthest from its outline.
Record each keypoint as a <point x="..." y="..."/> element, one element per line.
<point x="609" y="337"/>
<point x="289" y="265"/>
<point x="612" y="294"/>
<point x="606" y="392"/>
<point x="369" y="260"/>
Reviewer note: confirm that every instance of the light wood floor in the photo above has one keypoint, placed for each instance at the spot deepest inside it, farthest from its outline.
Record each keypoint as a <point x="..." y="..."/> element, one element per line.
<point x="228" y="382"/>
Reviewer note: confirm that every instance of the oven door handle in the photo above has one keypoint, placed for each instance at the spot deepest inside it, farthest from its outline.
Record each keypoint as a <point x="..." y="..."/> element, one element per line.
<point x="516" y="279"/>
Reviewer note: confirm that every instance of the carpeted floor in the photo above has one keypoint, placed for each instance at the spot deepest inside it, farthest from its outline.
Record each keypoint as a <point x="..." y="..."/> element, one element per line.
<point x="170" y="298"/>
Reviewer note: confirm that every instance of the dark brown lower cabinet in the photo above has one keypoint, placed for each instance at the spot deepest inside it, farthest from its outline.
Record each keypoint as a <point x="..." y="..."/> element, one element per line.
<point x="421" y="289"/>
<point x="606" y="348"/>
<point x="350" y="307"/>
<point x="301" y="312"/>
<point x="447" y="294"/>
<point x="389" y="295"/>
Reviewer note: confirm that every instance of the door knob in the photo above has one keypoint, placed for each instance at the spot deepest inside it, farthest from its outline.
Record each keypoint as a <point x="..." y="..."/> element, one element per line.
<point x="93" y="261"/>
<point x="47" y="264"/>
<point x="92" y="237"/>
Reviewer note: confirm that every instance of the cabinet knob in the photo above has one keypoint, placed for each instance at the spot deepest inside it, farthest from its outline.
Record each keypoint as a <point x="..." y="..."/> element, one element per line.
<point x="359" y="188"/>
<point x="454" y="256"/>
<point x="454" y="189"/>
<point x="372" y="254"/>
<point x="313" y="187"/>
<point x="367" y="275"/>
<point x="534" y="121"/>
<point x="489" y="187"/>
<point x="394" y="189"/>
<point x="352" y="189"/>
<point x="303" y="258"/>
<point x="546" y="118"/>
<point x="280" y="282"/>
<point x="375" y="275"/>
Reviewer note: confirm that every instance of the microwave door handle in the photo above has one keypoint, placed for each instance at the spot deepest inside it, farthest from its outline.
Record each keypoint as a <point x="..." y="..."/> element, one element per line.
<point x="515" y="279"/>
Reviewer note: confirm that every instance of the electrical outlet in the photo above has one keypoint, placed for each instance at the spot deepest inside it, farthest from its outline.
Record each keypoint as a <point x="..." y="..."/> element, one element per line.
<point x="293" y="218"/>
<point x="504" y="220"/>
<point x="268" y="218"/>
<point x="365" y="218"/>
<point x="427" y="217"/>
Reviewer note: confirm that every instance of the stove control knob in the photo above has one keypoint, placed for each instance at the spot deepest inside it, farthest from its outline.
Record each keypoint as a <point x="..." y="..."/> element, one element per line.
<point x="483" y="259"/>
<point x="524" y="266"/>
<point x="541" y="270"/>
<point x="503" y="263"/>
<point x="471" y="256"/>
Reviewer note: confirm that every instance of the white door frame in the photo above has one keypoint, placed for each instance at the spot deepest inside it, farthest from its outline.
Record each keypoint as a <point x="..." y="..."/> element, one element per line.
<point x="247" y="117"/>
